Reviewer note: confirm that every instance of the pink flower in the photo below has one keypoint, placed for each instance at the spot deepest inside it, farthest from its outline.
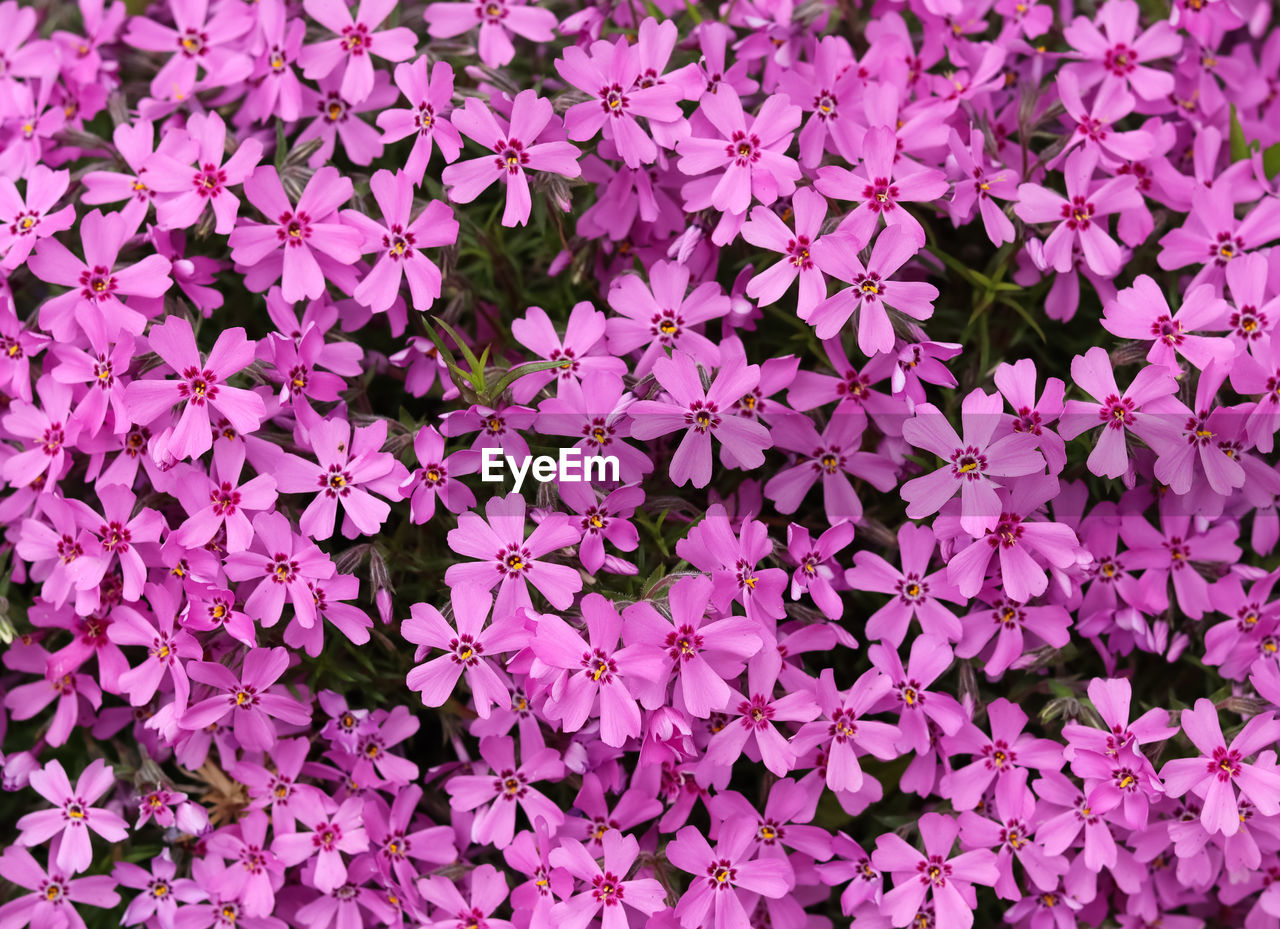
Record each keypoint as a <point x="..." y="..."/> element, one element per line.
<point x="93" y="303"/>
<point x="190" y="190"/>
<point x="196" y="42"/>
<point x="1212" y="236"/>
<point x="201" y="385"/>
<point x="23" y="221"/>
<point x="752" y="718"/>
<point x="871" y="292"/>
<point x="610" y="74"/>
<point x="879" y="186"/>
<point x="581" y="351"/>
<point x="720" y="874"/>
<point x="437" y="479"/>
<point x="247" y="698"/>
<point x="974" y="463"/>
<point x="48" y="429"/>
<point x="468" y="645"/>
<point x="947" y="879"/>
<point x="1111" y="51"/>
<point x="301" y="247"/>
<point x="816" y="565"/>
<point x="430" y="100"/>
<point x="607" y="885"/>
<point x="587" y="674"/>
<point x="1141" y="312"/>
<point x="497" y="19"/>
<point x="511" y="560"/>
<point x="980" y="187"/>
<point x="332" y="833"/>
<point x="663" y="315"/>
<point x="53" y="893"/>
<point x="75" y="814"/>
<point x="167" y="649"/>
<point x="1222" y="769"/>
<point x="745" y="159"/>
<point x="1079" y="215"/>
<point x="918" y="708"/>
<point x="702" y="654"/>
<point x="1007" y="751"/>
<point x="516" y="151"/>
<point x="400" y="241"/>
<point x="916" y="593"/>
<point x="835" y="458"/>
<point x="842" y="730"/>
<point x="350" y="467"/>
<point x="355" y="44"/>
<point x="604" y="519"/>
<point x="732" y="560"/>
<point x="1114" y="411"/>
<point x="218" y="501"/>
<point x="702" y="414"/>
<point x="496" y="795"/>
<point x="1094" y="129"/>
<point x="286" y="566"/>
<point x="766" y="230"/>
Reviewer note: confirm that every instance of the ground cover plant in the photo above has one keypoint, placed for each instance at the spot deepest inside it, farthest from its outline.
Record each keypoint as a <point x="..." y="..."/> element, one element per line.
<point x="935" y="346"/>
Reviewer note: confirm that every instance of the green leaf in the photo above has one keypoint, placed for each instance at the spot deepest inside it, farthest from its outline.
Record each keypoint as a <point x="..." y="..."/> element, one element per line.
<point x="518" y="372"/>
<point x="1271" y="161"/>
<point x="1239" y="145"/>
<point x="282" y="149"/>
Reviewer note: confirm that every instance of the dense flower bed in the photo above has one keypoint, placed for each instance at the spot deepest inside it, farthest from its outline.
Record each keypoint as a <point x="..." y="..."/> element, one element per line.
<point x="935" y="343"/>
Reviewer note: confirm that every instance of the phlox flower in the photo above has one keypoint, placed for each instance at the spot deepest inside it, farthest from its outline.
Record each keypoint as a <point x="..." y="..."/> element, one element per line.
<point x="1008" y="828"/>
<point x="93" y="302"/>
<point x="333" y="832"/>
<point x="1009" y="750"/>
<point x="302" y="246"/>
<point x="400" y="241"/>
<point x="395" y="841"/>
<point x="702" y="413"/>
<point x="1141" y="312"/>
<point x="1112" y="52"/>
<point x="1212" y="237"/>
<point x="18" y="346"/>
<point x="1222" y="769"/>
<point x="664" y="314"/>
<point x="511" y="560"/>
<point x="495" y="796"/>
<point x="167" y="645"/>
<point x="732" y="559"/>
<point x="274" y="88"/>
<point x="186" y="191"/>
<point x="595" y="414"/>
<point x="162" y="891"/>
<point x="136" y="144"/>
<point x="1021" y="542"/>
<point x="515" y="151"/>
<point x="842" y="731"/>
<point x="751" y="720"/>
<point x="973" y="463"/>
<point x="1017" y="382"/>
<point x="278" y="789"/>
<point x="218" y="501"/>
<point x="74" y="814"/>
<point x="1255" y="374"/>
<point x="607" y="885"/>
<point x="247" y="698"/>
<point x="745" y="158"/>
<point x="701" y="654"/>
<point x="1171" y="553"/>
<point x="53" y="684"/>
<point x="196" y="42"/>
<point x="121" y="528"/>
<point x="24" y="220"/>
<point x="200" y="385"/>
<point x="720" y="874"/>
<point x="581" y="351"/>
<point x="982" y="186"/>
<point x="334" y="121"/>
<point x="285" y="565"/>
<point x="54" y="893"/>
<point x="97" y="374"/>
<point x="815" y="569"/>
<point x="469" y="647"/>
<point x="357" y="40"/>
<point x="1095" y="130"/>
<point x="349" y="468"/>
<point x="880" y="186"/>
<point x="917" y="706"/>
<point x="498" y="18"/>
<point x="871" y="292"/>
<point x="1080" y="215"/>
<point x="610" y="73"/>
<point x="255" y="871"/>
<point x="430" y="99"/>
<point x="1010" y="624"/>
<point x="48" y="428"/>
<point x="1118" y="413"/>
<point x="916" y="593"/>
<point x="307" y="366"/>
<point x="766" y="230"/>
<point x="601" y="519"/>
<point x="947" y="879"/>
<point x="437" y="479"/>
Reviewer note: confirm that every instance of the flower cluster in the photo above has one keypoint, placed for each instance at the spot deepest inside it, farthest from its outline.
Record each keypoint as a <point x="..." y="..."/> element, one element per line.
<point x="933" y="580"/>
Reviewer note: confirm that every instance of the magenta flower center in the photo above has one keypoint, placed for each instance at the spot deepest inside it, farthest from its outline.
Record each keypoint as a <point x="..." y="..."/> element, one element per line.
<point x="356" y="39"/>
<point x="294" y="229"/>
<point x="824" y="104"/>
<point x="1078" y="213"/>
<point x="880" y="195"/>
<point x="192" y="43"/>
<point x="98" y="284"/>
<point x="683" y="644"/>
<point x="934" y="871"/>
<point x="743" y="148"/>
<point x="282" y="569"/>
<point x="511" y="155"/>
<point x="721" y="874"/>
<point x="1225" y="764"/>
<point x="798" y="252"/>
<point x="702" y="416"/>
<point x="968" y="464"/>
<point x="1116" y="412"/>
